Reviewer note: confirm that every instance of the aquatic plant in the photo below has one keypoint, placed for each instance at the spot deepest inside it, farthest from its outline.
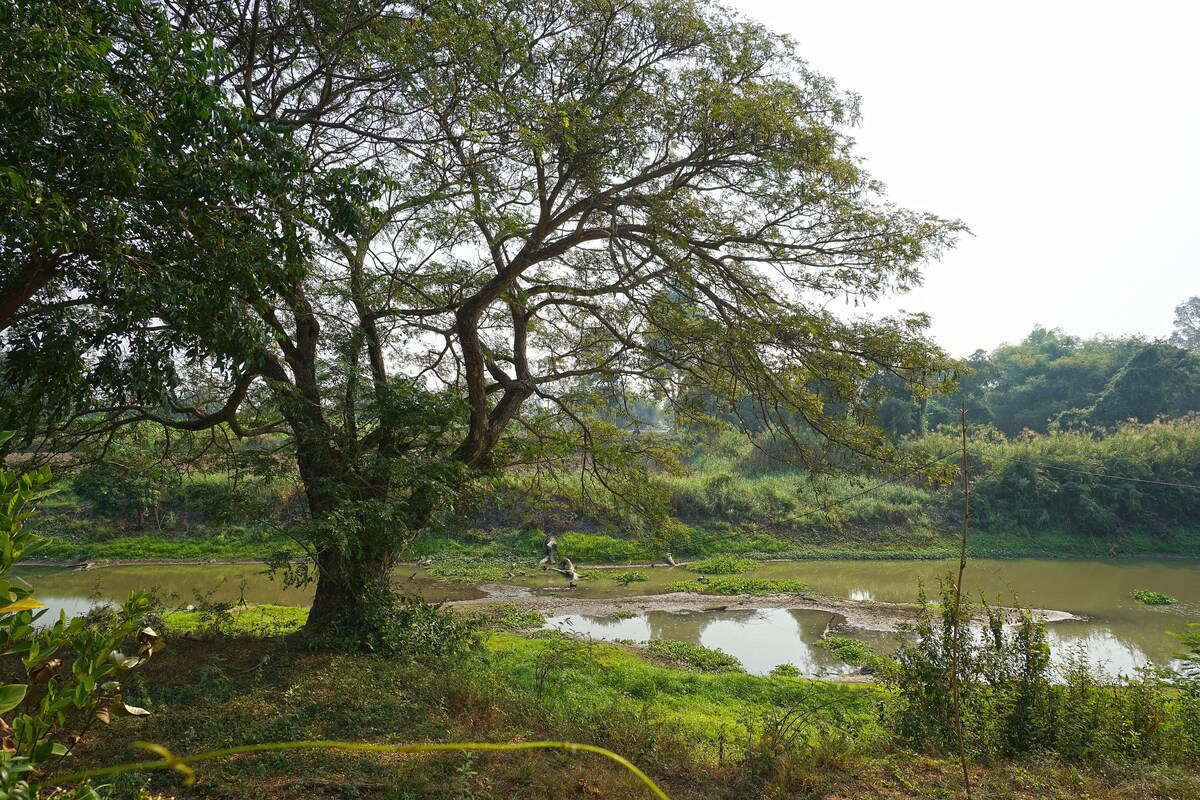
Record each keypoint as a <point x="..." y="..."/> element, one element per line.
<point x="759" y="587"/>
<point x="1149" y="598"/>
<point x="724" y="565"/>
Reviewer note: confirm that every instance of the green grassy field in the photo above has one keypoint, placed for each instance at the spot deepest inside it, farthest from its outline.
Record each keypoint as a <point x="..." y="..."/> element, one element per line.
<point x="699" y="735"/>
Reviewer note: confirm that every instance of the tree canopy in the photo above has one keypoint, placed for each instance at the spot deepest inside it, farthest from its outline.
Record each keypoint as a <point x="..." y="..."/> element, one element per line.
<point x="1187" y="325"/>
<point x="503" y="207"/>
<point x="137" y="207"/>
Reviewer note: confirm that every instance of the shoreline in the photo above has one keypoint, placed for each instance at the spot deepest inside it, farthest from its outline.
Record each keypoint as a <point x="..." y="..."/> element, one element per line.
<point x="100" y="562"/>
<point x="871" y="616"/>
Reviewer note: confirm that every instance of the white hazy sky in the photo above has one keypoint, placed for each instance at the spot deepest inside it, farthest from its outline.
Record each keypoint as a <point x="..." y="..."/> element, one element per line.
<point x="1064" y="133"/>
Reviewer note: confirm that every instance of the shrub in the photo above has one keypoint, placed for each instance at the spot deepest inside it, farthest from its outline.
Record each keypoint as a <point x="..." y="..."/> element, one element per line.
<point x="118" y="492"/>
<point x="511" y="617"/>
<point x="855" y="652"/>
<point x="786" y="671"/>
<point x="70" y="671"/>
<point x="1011" y="705"/>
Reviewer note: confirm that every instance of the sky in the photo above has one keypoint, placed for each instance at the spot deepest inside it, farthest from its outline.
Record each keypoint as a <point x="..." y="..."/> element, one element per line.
<point x="1065" y="134"/>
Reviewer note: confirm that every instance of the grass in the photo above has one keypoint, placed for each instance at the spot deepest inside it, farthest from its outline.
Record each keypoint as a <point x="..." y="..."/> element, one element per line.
<point x="199" y="544"/>
<point x="258" y="622"/>
<point x="699" y="735"/>
<point x="511" y="617"/>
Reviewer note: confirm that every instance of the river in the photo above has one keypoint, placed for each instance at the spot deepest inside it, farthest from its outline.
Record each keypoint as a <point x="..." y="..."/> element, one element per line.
<point x="1118" y="632"/>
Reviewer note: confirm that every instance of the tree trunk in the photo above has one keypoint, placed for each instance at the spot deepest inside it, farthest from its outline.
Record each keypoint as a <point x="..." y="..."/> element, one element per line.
<point x="352" y="591"/>
<point x="355" y="549"/>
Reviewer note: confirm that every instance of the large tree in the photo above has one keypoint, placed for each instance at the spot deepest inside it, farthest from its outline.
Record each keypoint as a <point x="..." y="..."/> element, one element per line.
<point x="528" y="201"/>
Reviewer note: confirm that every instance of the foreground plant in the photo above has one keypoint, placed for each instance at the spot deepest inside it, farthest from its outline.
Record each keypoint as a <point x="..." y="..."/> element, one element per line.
<point x="62" y="678"/>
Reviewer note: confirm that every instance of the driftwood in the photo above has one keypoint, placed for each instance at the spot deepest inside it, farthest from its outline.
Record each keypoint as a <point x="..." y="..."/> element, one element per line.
<point x="671" y="559"/>
<point x="567" y="570"/>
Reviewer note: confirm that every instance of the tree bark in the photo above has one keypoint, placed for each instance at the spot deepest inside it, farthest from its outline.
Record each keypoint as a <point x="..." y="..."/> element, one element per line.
<point x="350" y="589"/>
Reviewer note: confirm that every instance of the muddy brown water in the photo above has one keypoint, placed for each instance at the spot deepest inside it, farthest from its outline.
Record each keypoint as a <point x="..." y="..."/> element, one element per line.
<point x="1117" y="631"/>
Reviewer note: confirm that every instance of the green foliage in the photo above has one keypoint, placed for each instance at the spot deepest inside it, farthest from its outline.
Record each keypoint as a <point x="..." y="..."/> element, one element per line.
<point x="1149" y="598"/>
<point x="408" y="627"/>
<point x="628" y="577"/>
<point x="1012" y="706"/>
<point x="118" y="148"/>
<point x="693" y="656"/>
<point x="69" y="672"/>
<point x="759" y="587"/>
<point x="785" y="671"/>
<point x="1003" y="680"/>
<point x="558" y="653"/>
<point x="1075" y="481"/>
<point x="1187" y="325"/>
<point x="1159" y="380"/>
<point x="482" y="568"/>
<point x="855" y="652"/>
<point x="723" y="565"/>
<point x="119" y="492"/>
<point x="1191" y="658"/>
<point x="511" y="617"/>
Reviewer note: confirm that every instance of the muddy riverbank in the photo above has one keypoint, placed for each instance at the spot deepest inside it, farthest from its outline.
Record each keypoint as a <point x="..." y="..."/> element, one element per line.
<point x="863" y="615"/>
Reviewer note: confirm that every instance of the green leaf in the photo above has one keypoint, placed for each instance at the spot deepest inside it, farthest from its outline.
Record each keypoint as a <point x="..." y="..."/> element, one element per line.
<point x="11" y="696"/>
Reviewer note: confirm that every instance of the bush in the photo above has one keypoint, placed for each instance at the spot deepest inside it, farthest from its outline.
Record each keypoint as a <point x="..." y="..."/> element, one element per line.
<point x="511" y="617"/>
<point x="1011" y="705"/>
<point x="118" y="492"/>
<point x="855" y="652"/>
<point x="408" y="627"/>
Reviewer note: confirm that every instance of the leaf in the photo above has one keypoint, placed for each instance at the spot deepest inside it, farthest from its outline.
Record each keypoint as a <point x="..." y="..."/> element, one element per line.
<point x="133" y="711"/>
<point x="11" y="696"/>
<point x="102" y="716"/>
<point x="24" y="604"/>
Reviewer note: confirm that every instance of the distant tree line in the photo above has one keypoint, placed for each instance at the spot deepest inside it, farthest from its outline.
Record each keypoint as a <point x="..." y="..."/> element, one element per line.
<point x="1052" y="380"/>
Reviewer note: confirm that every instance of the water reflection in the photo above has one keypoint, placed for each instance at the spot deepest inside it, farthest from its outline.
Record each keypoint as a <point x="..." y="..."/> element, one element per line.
<point x="762" y="639"/>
